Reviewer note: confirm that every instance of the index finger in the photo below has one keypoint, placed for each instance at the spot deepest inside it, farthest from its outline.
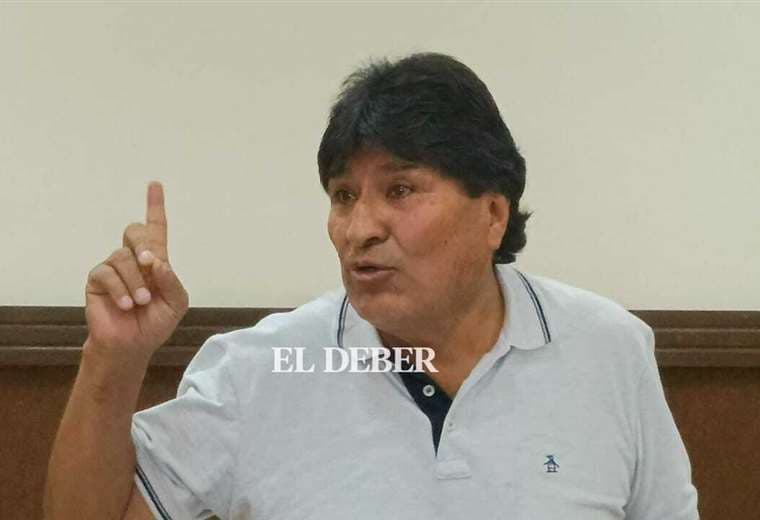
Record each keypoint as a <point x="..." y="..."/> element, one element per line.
<point x="155" y="221"/>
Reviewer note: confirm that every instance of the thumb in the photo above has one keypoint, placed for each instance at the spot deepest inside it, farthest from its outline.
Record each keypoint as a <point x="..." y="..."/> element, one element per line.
<point x="171" y="289"/>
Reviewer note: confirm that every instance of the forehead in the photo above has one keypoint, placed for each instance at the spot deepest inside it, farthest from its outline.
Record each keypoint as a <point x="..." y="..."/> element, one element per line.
<point x="379" y="161"/>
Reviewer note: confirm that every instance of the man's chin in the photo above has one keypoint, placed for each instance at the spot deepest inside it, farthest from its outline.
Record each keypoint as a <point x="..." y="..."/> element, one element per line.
<point x="379" y="310"/>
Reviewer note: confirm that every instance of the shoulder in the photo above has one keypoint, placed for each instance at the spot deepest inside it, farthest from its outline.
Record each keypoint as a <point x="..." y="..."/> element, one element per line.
<point x="579" y="306"/>
<point x="579" y="313"/>
<point x="310" y="324"/>
<point x="239" y="356"/>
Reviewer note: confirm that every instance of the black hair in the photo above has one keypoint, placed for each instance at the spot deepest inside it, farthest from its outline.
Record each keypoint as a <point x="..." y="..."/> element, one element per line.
<point x="429" y="108"/>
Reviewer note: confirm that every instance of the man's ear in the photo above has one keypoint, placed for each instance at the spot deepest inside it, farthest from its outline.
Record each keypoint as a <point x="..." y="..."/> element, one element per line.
<point x="498" y="212"/>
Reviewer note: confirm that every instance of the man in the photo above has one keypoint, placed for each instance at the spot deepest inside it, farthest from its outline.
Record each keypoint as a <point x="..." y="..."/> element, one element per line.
<point x="545" y="401"/>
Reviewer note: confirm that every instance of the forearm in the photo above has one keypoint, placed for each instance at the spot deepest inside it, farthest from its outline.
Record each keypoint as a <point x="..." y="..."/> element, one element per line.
<point x="93" y="459"/>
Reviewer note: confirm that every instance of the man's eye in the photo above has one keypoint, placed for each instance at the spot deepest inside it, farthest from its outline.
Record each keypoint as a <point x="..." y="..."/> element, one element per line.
<point x="399" y="191"/>
<point x="341" y="196"/>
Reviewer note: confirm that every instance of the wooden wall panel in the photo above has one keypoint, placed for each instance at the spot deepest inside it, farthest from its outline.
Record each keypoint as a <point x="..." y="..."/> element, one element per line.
<point x="709" y="362"/>
<point x="32" y="403"/>
<point x="717" y="411"/>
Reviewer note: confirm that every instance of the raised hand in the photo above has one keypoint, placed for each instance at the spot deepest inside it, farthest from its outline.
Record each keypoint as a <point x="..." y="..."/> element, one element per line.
<point x="134" y="300"/>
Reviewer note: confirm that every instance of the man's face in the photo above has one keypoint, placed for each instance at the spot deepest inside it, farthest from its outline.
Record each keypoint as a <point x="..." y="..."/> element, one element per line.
<point x="411" y="243"/>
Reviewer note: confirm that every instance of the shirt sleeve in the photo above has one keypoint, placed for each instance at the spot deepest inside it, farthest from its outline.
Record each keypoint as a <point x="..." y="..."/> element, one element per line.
<point x="186" y="448"/>
<point x="662" y="487"/>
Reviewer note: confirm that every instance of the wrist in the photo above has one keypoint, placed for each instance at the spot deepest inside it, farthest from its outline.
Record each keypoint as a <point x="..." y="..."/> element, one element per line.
<point x="107" y="373"/>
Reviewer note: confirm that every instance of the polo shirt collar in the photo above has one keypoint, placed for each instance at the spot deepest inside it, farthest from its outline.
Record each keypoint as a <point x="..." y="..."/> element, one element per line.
<point x="526" y="326"/>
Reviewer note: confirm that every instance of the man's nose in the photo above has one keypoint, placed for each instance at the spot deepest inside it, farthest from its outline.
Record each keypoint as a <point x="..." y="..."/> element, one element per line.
<point x="366" y="224"/>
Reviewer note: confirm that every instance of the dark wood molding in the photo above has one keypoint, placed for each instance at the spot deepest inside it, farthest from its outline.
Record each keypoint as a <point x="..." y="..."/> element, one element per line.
<point x="50" y="336"/>
<point x="705" y="338"/>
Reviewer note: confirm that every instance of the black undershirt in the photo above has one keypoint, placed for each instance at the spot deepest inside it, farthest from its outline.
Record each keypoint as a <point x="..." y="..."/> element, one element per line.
<point x="435" y="405"/>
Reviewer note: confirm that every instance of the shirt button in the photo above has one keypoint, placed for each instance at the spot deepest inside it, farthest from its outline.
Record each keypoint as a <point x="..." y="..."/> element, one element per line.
<point x="428" y="390"/>
<point x="450" y="426"/>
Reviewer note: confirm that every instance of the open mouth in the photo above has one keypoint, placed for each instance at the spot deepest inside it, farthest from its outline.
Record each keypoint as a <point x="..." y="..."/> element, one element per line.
<point x="369" y="269"/>
<point x="371" y="274"/>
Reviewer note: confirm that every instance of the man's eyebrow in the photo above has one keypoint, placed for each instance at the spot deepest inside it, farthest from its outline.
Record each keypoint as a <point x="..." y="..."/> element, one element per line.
<point x="389" y="167"/>
<point x="397" y="165"/>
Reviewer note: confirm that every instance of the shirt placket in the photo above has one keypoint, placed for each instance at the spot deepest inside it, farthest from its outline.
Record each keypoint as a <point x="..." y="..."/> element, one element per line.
<point x="450" y="462"/>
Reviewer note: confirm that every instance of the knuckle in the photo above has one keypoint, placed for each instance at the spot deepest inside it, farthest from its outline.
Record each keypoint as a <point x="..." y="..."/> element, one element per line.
<point x="133" y="234"/>
<point x="105" y="276"/>
<point x="123" y="263"/>
<point x="95" y="273"/>
<point x="121" y="255"/>
<point x="100" y="272"/>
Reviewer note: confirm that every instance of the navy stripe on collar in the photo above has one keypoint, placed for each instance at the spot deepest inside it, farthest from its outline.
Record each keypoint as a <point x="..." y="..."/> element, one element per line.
<point x="537" y="306"/>
<point x="531" y="292"/>
<point x="342" y="320"/>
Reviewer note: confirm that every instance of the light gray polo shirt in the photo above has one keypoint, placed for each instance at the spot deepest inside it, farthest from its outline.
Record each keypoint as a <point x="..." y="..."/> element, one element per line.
<point x="564" y="418"/>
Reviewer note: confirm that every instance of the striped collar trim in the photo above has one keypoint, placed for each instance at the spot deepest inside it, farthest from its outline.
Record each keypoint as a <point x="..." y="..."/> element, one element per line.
<point x="526" y="326"/>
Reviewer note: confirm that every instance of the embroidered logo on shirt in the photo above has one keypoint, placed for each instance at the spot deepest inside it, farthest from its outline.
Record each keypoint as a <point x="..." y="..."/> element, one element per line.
<point x="551" y="464"/>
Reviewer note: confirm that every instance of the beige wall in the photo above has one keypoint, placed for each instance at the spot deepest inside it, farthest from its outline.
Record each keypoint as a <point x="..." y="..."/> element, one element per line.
<point x="640" y="126"/>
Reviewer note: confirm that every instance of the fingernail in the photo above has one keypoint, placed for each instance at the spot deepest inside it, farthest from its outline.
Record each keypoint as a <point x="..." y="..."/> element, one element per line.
<point x="142" y="296"/>
<point x="125" y="303"/>
<point x="146" y="257"/>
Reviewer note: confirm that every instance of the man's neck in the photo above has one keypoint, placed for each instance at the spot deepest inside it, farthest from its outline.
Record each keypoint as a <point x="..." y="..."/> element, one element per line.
<point x="460" y="338"/>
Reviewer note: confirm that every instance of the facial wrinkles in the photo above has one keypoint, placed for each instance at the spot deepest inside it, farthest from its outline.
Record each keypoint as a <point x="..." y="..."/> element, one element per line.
<point x="462" y="272"/>
<point x="432" y="239"/>
<point x="433" y="250"/>
<point x="370" y="214"/>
